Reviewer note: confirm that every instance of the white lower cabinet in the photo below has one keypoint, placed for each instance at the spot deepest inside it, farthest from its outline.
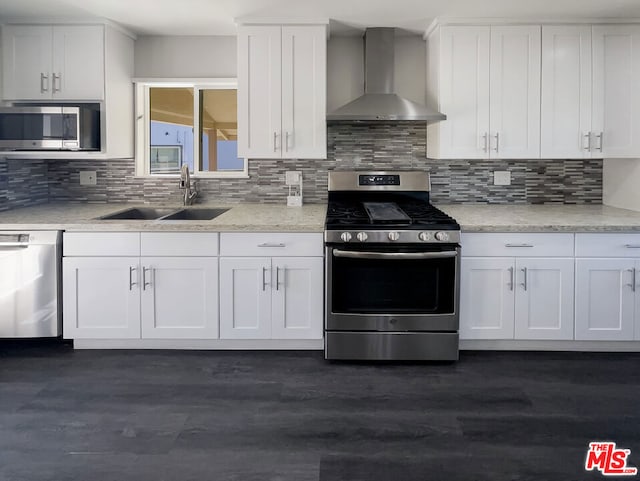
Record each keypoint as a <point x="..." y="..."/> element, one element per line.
<point x="111" y="291"/>
<point x="271" y="298"/>
<point x="271" y="286"/>
<point x="517" y="286"/>
<point x="179" y="298"/>
<point x="606" y="300"/>
<point x="516" y="298"/>
<point x="101" y="298"/>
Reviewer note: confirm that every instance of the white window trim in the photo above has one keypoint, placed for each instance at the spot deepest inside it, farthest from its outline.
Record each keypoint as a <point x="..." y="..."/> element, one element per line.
<point x="143" y="134"/>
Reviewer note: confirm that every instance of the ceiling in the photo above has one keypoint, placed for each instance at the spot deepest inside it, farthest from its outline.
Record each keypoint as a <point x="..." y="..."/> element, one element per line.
<point x="216" y="17"/>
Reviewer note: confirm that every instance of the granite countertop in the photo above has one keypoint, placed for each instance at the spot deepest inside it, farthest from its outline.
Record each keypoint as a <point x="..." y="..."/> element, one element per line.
<point x="239" y="217"/>
<point x="543" y="218"/>
<point x="310" y="218"/>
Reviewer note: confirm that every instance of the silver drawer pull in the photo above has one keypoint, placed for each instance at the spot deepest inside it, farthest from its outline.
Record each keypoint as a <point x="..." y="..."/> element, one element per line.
<point x="632" y="246"/>
<point x="518" y="245"/>
<point x="264" y="282"/>
<point x="272" y="244"/>
<point x="131" y="271"/>
<point x="524" y="284"/>
<point x="511" y="272"/>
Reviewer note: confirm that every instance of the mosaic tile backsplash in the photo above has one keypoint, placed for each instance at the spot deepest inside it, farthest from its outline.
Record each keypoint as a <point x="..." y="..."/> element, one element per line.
<point x="399" y="146"/>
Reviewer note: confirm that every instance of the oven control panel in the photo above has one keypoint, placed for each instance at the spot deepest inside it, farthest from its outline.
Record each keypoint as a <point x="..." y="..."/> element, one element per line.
<point x="396" y="237"/>
<point x="386" y="179"/>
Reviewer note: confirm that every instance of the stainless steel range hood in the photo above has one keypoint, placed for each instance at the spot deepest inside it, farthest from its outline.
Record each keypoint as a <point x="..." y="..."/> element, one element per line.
<point x="380" y="103"/>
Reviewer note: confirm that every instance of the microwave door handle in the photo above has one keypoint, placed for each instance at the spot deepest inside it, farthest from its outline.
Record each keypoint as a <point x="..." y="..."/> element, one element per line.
<point x="394" y="255"/>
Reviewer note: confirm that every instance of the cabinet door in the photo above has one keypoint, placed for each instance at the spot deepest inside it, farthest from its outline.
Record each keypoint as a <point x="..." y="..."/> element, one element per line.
<point x="78" y="62"/>
<point x="604" y="299"/>
<point x="616" y="103"/>
<point x="486" y="298"/>
<point x="101" y="297"/>
<point x="259" y="92"/>
<point x="544" y="298"/>
<point x="464" y="89"/>
<point x="515" y="92"/>
<point x="298" y="298"/>
<point x="304" y="86"/>
<point x="26" y="53"/>
<point x="245" y="298"/>
<point x="566" y="92"/>
<point x="179" y="297"/>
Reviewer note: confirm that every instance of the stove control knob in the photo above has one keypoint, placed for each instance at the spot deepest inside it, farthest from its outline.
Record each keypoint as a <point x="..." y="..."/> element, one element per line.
<point x="362" y="236"/>
<point x="345" y="236"/>
<point x="442" y="236"/>
<point x="424" y="236"/>
<point x="394" y="236"/>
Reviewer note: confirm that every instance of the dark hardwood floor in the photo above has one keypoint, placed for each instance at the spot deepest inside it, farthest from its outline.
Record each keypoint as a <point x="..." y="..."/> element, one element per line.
<point x="279" y="416"/>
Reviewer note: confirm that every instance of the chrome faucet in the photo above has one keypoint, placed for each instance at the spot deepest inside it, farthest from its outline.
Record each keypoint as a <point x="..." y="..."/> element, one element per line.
<point x="185" y="184"/>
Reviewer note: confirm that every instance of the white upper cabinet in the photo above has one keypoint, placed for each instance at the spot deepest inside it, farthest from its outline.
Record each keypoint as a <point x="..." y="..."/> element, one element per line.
<point x="514" y="120"/>
<point x="489" y="88"/>
<point x="62" y="62"/>
<point x="616" y="101"/>
<point x="464" y="93"/>
<point x="282" y="91"/>
<point x="566" y="92"/>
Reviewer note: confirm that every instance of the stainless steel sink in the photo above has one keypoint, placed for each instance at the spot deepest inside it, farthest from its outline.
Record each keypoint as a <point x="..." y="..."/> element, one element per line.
<point x="137" y="213"/>
<point x="195" y="214"/>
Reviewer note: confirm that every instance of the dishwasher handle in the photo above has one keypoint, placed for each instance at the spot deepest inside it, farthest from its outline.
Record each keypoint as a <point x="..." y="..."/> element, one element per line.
<point x="14" y="240"/>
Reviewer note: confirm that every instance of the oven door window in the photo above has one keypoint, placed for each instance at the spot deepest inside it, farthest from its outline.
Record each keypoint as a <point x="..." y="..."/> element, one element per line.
<point x="40" y="126"/>
<point x="392" y="285"/>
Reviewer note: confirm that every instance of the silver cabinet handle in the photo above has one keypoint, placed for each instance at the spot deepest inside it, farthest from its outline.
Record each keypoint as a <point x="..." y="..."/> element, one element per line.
<point x="144" y="278"/>
<point x="131" y="283"/>
<point x="44" y="87"/>
<point x="524" y="284"/>
<point x="599" y="137"/>
<point x="275" y="139"/>
<point x="286" y="142"/>
<point x="511" y="275"/>
<point x="633" y="279"/>
<point x="497" y="136"/>
<point x="272" y="244"/>
<point x="284" y="273"/>
<point x="632" y="246"/>
<point x="485" y="147"/>
<point x="264" y="282"/>
<point x="57" y="77"/>
<point x="518" y="245"/>
<point x="394" y="255"/>
<point x="588" y="137"/>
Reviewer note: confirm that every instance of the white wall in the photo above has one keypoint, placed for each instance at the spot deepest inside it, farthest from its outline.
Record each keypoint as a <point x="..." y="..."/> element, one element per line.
<point x="620" y="181"/>
<point x="213" y="56"/>
<point x="345" y="69"/>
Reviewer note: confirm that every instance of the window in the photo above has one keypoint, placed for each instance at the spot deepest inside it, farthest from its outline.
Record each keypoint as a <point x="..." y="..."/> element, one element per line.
<point x="188" y="122"/>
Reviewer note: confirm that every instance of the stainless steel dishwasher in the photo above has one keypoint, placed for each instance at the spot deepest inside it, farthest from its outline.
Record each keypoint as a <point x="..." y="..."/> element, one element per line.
<point x="30" y="284"/>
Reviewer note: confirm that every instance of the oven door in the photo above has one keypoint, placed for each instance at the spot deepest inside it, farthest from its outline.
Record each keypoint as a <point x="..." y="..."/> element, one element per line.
<point x="393" y="288"/>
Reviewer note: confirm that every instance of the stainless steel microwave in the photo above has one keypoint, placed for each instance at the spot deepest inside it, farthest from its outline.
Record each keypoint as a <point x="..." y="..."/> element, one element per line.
<point x="50" y="127"/>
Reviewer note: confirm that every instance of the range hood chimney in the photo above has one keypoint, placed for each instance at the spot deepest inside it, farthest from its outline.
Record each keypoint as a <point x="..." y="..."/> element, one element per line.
<point x="380" y="103"/>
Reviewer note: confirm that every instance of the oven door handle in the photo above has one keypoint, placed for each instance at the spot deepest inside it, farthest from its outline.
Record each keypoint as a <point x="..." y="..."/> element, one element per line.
<point x="394" y="255"/>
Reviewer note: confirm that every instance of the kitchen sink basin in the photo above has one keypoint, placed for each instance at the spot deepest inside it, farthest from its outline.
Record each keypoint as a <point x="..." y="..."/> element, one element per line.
<point x="195" y="214"/>
<point x="137" y="213"/>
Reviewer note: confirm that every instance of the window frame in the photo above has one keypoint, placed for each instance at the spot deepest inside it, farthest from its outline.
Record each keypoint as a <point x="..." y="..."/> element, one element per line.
<point x="143" y="122"/>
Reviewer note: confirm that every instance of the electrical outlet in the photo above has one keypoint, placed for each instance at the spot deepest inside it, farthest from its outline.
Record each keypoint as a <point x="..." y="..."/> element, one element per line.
<point x="501" y="177"/>
<point x="292" y="177"/>
<point x="88" y="177"/>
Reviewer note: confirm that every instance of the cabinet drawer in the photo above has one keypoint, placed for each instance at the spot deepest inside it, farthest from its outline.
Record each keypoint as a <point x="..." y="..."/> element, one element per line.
<point x="269" y="245"/>
<point x="607" y="245"/>
<point x="101" y="244"/>
<point x="187" y="244"/>
<point x="517" y="245"/>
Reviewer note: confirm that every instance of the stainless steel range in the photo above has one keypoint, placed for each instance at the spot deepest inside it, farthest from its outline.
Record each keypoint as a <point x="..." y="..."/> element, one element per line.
<point x="393" y="263"/>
